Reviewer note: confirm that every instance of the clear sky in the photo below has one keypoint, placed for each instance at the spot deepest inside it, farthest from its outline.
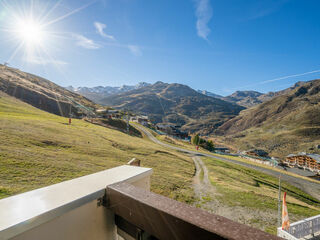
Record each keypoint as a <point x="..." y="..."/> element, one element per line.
<point x="217" y="45"/>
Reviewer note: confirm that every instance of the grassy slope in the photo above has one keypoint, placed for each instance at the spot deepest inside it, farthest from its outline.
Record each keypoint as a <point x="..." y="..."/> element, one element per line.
<point x="238" y="186"/>
<point x="38" y="149"/>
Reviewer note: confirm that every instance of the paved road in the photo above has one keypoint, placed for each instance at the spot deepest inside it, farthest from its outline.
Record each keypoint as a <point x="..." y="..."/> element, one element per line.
<point x="309" y="187"/>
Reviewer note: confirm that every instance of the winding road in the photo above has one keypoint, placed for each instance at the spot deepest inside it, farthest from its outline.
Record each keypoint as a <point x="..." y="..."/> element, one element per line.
<point x="309" y="187"/>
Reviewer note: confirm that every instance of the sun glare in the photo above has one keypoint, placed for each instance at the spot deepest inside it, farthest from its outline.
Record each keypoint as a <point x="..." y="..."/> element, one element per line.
<point x="30" y="31"/>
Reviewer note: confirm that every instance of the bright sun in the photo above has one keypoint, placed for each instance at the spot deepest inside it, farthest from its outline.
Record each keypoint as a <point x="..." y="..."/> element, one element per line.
<point x="30" y="31"/>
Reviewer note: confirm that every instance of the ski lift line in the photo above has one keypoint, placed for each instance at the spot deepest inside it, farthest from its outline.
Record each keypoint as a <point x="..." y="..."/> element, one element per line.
<point x="89" y="111"/>
<point x="80" y="105"/>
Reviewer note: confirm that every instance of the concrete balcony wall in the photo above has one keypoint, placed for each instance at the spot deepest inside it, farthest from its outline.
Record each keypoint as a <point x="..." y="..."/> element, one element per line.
<point x="68" y="210"/>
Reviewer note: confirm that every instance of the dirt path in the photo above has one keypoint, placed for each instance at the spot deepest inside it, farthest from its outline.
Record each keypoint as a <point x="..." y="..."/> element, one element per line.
<point x="201" y="186"/>
<point x="207" y="195"/>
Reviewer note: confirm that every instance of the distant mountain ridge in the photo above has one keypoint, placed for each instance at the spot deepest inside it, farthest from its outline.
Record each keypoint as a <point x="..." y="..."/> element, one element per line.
<point x="247" y="99"/>
<point x="176" y="103"/>
<point x="244" y="98"/>
<point x="210" y="94"/>
<point x="99" y="92"/>
<point x="252" y="98"/>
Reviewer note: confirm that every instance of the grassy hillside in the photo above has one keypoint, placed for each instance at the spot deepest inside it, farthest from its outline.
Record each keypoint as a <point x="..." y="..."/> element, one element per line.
<point x="287" y="123"/>
<point x="177" y="104"/>
<point x="42" y="93"/>
<point x="38" y="149"/>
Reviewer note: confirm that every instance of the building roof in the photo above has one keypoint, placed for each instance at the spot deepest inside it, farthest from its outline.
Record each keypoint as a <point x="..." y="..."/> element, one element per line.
<point x="113" y="111"/>
<point x="257" y="151"/>
<point x="292" y="155"/>
<point x="312" y="155"/>
<point x="142" y="119"/>
<point x="101" y="110"/>
<point x="315" y="157"/>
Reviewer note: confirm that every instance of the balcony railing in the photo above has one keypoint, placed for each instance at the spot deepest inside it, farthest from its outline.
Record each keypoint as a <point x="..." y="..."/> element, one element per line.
<point x="113" y="204"/>
<point x="146" y="215"/>
<point x="308" y="228"/>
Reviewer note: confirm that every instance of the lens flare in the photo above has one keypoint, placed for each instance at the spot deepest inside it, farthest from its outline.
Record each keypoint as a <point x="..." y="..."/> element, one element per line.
<point x="28" y="26"/>
<point x="30" y="32"/>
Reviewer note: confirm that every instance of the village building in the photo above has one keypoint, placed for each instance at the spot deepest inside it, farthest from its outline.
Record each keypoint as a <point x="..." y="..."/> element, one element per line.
<point x="222" y="149"/>
<point x="303" y="160"/>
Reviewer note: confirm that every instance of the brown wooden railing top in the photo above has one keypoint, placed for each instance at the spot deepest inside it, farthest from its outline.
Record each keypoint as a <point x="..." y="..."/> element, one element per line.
<point x="164" y="218"/>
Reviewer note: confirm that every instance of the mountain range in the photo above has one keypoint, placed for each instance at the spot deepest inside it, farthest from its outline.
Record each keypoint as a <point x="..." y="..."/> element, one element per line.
<point x="171" y="103"/>
<point x="177" y="104"/>
<point x="245" y="99"/>
<point x="279" y="122"/>
<point x="99" y="92"/>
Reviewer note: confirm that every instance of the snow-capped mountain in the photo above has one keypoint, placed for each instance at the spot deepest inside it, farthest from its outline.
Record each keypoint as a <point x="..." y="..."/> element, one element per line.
<point x="99" y="92"/>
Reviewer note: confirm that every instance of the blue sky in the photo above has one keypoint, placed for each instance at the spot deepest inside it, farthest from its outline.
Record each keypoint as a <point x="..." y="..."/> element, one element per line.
<point x="216" y="45"/>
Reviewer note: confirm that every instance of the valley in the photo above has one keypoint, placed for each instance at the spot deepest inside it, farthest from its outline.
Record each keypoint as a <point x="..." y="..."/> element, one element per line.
<point x="66" y="151"/>
<point x="243" y="120"/>
<point x="42" y="148"/>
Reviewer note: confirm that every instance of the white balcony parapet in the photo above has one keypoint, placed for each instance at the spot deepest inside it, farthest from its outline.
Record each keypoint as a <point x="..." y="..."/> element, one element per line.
<point x="67" y="210"/>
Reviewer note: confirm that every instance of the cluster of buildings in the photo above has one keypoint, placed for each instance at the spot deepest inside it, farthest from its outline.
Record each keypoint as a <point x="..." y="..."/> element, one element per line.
<point x="143" y="120"/>
<point x="256" y="153"/>
<point x="111" y="114"/>
<point x="304" y="160"/>
<point x="165" y="128"/>
<point x="172" y="130"/>
<point x="259" y="156"/>
<point x="108" y="113"/>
